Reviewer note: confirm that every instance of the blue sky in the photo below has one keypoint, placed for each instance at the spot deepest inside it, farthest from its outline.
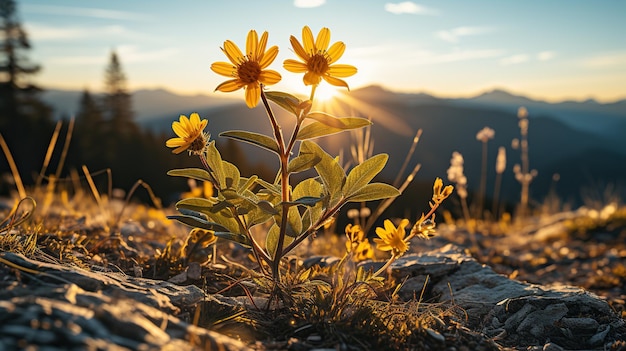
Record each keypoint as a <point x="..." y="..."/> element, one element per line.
<point x="553" y="50"/>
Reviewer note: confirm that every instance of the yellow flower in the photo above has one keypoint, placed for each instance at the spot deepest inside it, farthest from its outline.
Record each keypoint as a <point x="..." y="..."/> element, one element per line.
<point x="248" y="70"/>
<point x="439" y="192"/>
<point x="190" y="134"/>
<point x="392" y="239"/>
<point x="318" y="59"/>
<point x="357" y="243"/>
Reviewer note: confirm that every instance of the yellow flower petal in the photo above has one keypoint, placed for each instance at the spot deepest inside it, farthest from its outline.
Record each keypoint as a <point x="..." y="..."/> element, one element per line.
<point x="261" y="48"/>
<point x="224" y="68"/>
<point x="230" y="85"/>
<point x="307" y="40"/>
<point x="311" y="78"/>
<point x="251" y="44"/>
<point x="336" y="81"/>
<point x="298" y="49"/>
<point x="323" y="39"/>
<point x="179" y="129"/>
<point x="269" y="77"/>
<point x="268" y="57"/>
<point x="342" y="70"/>
<point x="253" y="94"/>
<point x="294" y="66"/>
<point x="232" y="52"/>
<point x="336" y="51"/>
<point x="174" y="142"/>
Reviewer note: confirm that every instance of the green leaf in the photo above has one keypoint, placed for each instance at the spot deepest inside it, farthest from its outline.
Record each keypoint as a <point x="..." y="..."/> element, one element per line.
<point x="238" y="238"/>
<point x="214" y="160"/>
<point x="308" y="188"/>
<point x="197" y="222"/>
<point x="272" y="188"/>
<point x="374" y="191"/>
<point x="231" y="175"/>
<point x="326" y="119"/>
<point x="288" y="102"/>
<point x="267" y="207"/>
<point x="271" y="241"/>
<point x="294" y="222"/>
<point x="302" y="163"/>
<point x="305" y="201"/>
<point x="193" y="173"/>
<point x="331" y="173"/>
<point x="362" y="174"/>
<point x="257" y="139"/>
<point x="246" y="183"/>
<point x="318" y="129"/>
<point x="197" y="204"/>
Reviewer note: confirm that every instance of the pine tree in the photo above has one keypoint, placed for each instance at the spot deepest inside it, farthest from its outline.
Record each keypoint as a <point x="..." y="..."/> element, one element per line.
<point x="122" y="138"/>
<point x="89" y="132"/>
<point x="23" y="117"/>
<point x="117" y="101"/>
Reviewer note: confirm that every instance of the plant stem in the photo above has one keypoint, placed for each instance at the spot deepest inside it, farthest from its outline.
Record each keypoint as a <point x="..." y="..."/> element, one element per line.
<point x="284" y="182"/>
<point x="312" y="228"/>
<point x="483" y="183"/>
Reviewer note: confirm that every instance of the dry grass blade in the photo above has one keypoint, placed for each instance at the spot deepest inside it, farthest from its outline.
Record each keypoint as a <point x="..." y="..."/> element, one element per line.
<point x="16" y="174"/>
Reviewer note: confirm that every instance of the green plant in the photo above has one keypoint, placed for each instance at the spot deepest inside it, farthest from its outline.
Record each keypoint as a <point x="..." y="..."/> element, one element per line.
<point x="289" y="213"/>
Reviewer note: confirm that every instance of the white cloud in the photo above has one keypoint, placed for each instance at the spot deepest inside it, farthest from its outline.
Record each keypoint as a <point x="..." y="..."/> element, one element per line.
<point x="413" y="56"/>
<point x="308" y="3"/>
<point x="408" y="7"/>
<point x="49" y="33"/>
<point x="130" y="54"/>
<point x="546" y="55"/>
<point x="606" y="60"/>
<point x="82" y="12"/>
<point x="514" y="59"/>
<point x="453" y="35"/>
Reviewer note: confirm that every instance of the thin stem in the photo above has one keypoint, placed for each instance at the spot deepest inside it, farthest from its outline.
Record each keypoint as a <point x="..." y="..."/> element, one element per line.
<point x="256" y="248"/>
<point x="278" y="134"/>
<point x="284" y="182"/>
<point x="313" y="88"/>
<point x="385" y="266"/>
<point x="496" y="196"/>
<point x="312" y="228"/>
<point x="483" y="183"/>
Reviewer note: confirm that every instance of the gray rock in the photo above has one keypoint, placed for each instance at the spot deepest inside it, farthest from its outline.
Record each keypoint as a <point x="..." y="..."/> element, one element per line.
<point x="115" y="312"/>
<point x="517" y="313"/>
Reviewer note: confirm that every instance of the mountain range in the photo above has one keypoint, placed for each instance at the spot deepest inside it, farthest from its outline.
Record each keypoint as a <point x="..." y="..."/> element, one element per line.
<point x="584" y="142"/>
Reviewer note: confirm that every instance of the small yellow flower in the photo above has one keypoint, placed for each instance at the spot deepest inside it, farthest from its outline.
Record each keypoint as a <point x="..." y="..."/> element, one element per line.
<point x="424" y="228"/>
<point x="190" y="134"/>
<point x="392" y="238"/>
<point x="318" y="59"/>
<point x="248" y="71"/>
<point x="357" y="243"/>
<point x="439" y="192"/>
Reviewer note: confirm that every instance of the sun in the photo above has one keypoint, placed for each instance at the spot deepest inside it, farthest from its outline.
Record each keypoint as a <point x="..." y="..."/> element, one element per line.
<point x="325" y="92"/>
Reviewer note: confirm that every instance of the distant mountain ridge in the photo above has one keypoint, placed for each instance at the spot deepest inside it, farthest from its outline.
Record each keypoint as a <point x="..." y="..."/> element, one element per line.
<point x="589" y="115"/>
<point x="581" y="141"/>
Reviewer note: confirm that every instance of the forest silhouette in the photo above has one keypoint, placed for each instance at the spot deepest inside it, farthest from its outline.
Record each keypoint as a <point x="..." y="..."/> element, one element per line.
<point x="103" y="136"/>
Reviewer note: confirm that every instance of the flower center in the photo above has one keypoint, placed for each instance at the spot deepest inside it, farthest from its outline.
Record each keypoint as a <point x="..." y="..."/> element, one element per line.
<point x="249" y="72"/>
<point x="317" y="64"/>
<point x="197" y="144"/>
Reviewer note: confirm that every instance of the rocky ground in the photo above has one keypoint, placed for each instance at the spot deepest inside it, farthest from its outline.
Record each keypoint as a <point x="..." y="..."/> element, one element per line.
<point x="86" y="286"/>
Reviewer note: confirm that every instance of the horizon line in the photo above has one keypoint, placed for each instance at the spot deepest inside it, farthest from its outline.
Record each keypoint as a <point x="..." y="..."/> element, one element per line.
<point x="480" y="92"/>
